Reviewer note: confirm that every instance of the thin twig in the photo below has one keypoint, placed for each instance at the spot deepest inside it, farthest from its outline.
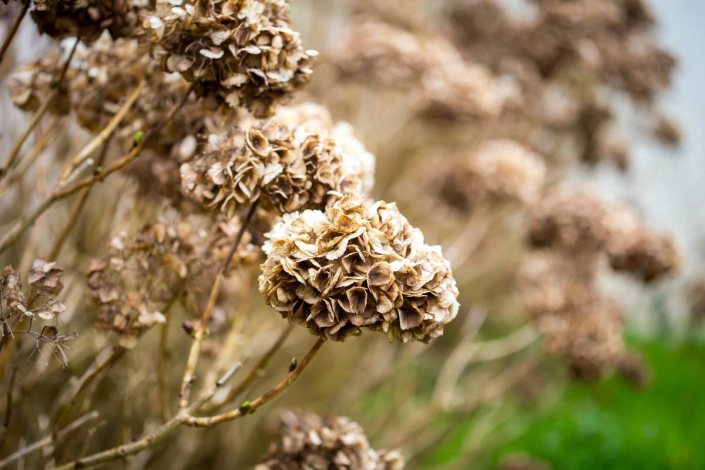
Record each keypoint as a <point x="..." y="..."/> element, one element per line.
<point x="195" y="351"/>
<point x="15" y="150"/>
<point x="256" y="370"/>
<point x="184" y="418"/>
<point x="104" y="135"/>
<point x="250" y="407"/>
<point x="34" y="153"/>
<point x="85" y="381"/>
<point x="13" y="29"/>
<point x="47" y="440"/>
<point x="8" y="407"/>
<point x="17" y="146"/>
<point x="25" y="222"/>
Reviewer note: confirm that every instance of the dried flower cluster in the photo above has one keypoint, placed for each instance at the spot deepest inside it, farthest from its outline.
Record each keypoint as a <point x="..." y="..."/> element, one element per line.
<point x="358" y="265"/>
<point x="286" y="168"/>
<point x="573" y="228"/>
<point x="563" y="58"/>
<point x="242" y="52"/>
<point x="30" y="85"/>
<point x="143" y="275"/>
<point x="88" y="18"/>
<point x="443" y="83"/>
<point x="589" y="339"/>
<point x="496" y="172"/>
<point x="570" y="219"/>
<point x="309" y="442"/>
<point x="39" y="303"/>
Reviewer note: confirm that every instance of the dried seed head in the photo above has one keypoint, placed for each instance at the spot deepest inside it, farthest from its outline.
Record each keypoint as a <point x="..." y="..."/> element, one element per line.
<point x="635" y="250"/>
<point x="30" y="85"/>
<point x="358" y="265"/>
<point x="553" y="283"/>
<point x="287" y="167"/>
<point x="309" y="442"/>
<point x="143" y="274"/>
<point x="569" y="219"/>
<point x="241" y="52"/>
<point x="443" y="83"/>
<point x="88" y="18"/>
<point x="503" y="170"/>
<point x="589" y="340"/>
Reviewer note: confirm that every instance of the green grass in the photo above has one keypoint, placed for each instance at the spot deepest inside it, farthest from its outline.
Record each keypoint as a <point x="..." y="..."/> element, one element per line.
<point x="612" y="425"/>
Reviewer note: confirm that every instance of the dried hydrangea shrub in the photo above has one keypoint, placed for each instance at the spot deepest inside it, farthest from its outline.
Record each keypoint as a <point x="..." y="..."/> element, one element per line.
<point x="88" y="18"/>
<point x="312" y="443"/>
<point x="444" y="84"/>
<point x="144" y="274"/>
<point x="241" y="52"/>
<point x="358" y="265"/>
<point x="286" y="168"/>
<point x="570" y="218"/>
<point x="589" y="340"/>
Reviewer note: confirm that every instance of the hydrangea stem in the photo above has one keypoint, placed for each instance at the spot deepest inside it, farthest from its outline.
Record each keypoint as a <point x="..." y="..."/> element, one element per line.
<point x="13" y="29"/>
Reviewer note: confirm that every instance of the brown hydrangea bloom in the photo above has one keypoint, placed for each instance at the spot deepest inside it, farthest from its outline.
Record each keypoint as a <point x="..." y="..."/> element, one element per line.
<point x="589" y="340"/>
<point x="569" y="218"/>
<point x="30" y="85"/>
<point x="88" y="18"/>
<point x="444" y="84"/>
<point x="554" y="283"/>
<point x="39" y="301"/>
<point x="144" y="274"/>
<point x="503" y="170"/>
<point x="286" y="168"/>
<point x="645" y="255"/>
<point x="312" y="443"/>
<point x="242" y="52"/>
<point x="357" y="265"/>
<point x="634" y="249"/>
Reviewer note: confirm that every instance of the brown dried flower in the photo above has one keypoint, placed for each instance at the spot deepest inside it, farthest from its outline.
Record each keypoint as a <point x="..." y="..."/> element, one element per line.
<point x="444" y="84"/>
<point x="645" y="255"/>
<point x="242" y="52"/>
<point x="286" y="168"/>
<point x="569" y="218"/>
<point x="88" y="18"/>
<point x="358" y="265"/>
<point x="312" y="443"/>
<point x="143" y="275"/>
<point x="555" y="283"/>
<point x="589" y="340"/>
<point x="37" y="304"/>
<point x="30" y="85"/>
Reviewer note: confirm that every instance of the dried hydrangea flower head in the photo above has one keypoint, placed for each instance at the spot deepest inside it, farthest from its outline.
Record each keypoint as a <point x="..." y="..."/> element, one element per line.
<point x="286" y="168"/>
<point x="555" y="283"/>
<point x="38" y="305"/>
<point x="39" y="301"/>
<point x="88" y="18"/>
<point x="312" y="443"/>
<point x="358" y="265"/>
<point x="590" y="340"/>
<point x="143" y="275"/>
<point x="503" y="170"/>
<point x="31" y="84"/>
<point x="634" y="249"/>
<point x="569" y="218"/>
<point x="242" y="52"/>
<point x="443" y="82"/>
